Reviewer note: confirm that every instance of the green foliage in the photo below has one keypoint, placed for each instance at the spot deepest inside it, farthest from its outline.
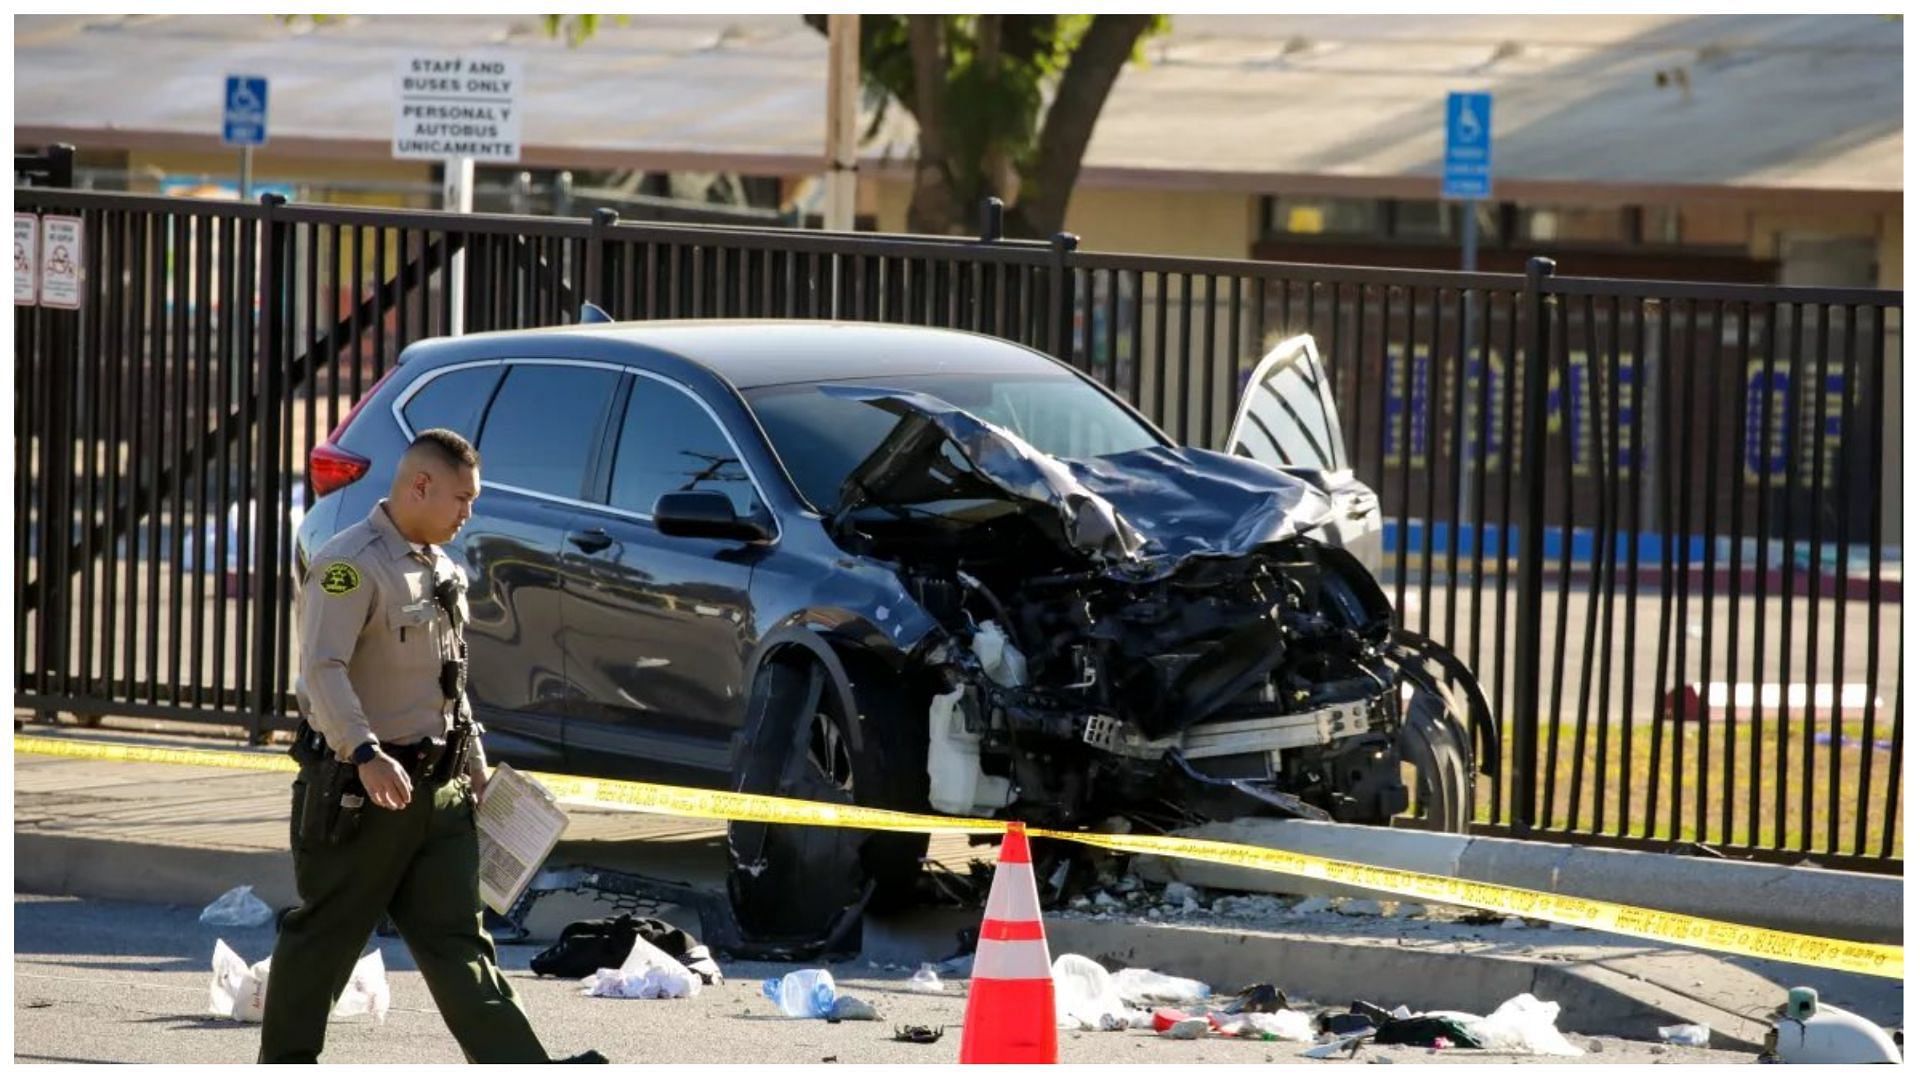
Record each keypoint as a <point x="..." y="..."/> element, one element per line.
<point x="578" y="28"/>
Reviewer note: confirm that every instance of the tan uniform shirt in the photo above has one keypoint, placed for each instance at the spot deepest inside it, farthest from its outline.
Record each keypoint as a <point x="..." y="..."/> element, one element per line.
<point x="372" y="637"/>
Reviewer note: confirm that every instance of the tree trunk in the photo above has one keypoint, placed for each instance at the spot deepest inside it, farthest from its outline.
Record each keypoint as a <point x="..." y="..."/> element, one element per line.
<point x="933" y="209"/>
<point x="1089" y="77"/>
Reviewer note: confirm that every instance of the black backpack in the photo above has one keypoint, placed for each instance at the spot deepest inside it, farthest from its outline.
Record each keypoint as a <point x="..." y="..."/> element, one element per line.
<point x="588" y="946"/>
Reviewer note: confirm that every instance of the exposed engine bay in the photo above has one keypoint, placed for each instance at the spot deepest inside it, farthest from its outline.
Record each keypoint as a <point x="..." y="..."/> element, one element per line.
<point x="1167" y="634"/>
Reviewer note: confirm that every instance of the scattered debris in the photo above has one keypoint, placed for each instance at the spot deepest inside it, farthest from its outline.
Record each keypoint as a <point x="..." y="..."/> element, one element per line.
<point x="807" y="992"/>
<point x="239" y="992"/>
<point x="1522" y="1025"/>
<point x="1512" y="923"/>
<point x="1166" y="1017"/>
<point x="848" y="1008"/>
<point x="1381" y="1060"/>
<point x="1360" y="906"/>
<point x="1280" y="1025"/>
<point x="647" y="972"/>
<point x="926" y="979"/>
<point x="237" y="907"/>
<point x="1411" y="910"/>
<point x="1257" y="998"/>
<point x="1349" y="1044"/>
<point x="1084" y="997"/>
<point x="587" y="947"/>
<point x="1191" y="1028"/>
<point x="1686" y="1035"/>
<point x="918" y="1033"/>
<point x="1143" y="987"/>
<point x="1313" y="906"/>
<point x="1424" y="1031"/>
<point x="1179" y="893"/>
<point x="1595" y="1046"/>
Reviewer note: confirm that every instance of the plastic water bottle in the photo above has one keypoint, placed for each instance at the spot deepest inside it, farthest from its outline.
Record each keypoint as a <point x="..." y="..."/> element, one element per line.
<point x="808" y="992"/>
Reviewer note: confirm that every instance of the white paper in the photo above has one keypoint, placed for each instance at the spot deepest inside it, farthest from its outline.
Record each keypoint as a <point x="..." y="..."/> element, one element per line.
<point x="26" y="258"/>
<point x="519" y="823"/>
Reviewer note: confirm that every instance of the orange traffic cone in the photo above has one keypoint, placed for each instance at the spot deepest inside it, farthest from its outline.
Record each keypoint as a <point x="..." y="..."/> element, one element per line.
<point x="1010" y="1015"/>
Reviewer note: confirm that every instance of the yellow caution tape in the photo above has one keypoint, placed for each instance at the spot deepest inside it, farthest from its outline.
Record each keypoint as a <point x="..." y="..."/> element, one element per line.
<point x="1645" y="923"/>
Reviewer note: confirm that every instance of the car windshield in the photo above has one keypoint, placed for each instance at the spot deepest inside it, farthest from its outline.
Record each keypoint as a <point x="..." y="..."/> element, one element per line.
<point x="821" y="439"/>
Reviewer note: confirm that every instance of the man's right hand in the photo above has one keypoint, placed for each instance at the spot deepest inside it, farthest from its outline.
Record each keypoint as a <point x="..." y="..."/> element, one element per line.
<point x="386" y="782"/>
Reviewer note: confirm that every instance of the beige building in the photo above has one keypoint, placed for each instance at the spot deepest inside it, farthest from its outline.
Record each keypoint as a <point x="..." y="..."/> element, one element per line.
<point x="1745" y="148"/>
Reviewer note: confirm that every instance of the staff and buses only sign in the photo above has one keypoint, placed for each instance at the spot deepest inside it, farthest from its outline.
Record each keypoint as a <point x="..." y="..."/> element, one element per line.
<point x="457" y="105"/>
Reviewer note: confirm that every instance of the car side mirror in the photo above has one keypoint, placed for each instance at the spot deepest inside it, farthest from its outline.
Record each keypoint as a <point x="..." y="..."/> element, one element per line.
<point x="705" y="514"/>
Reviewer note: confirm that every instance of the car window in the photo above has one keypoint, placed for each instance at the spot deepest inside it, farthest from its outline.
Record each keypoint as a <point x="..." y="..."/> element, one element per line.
<point x="668" y="443"/>
<point x="1288" y="417"/>
<point x="539" y="434"/>
<point x="452" y="400"/>
<point x="821" y="439"/>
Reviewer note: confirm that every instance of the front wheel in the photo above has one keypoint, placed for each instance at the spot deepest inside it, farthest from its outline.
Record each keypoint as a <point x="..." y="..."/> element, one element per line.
<point x="795" y="882"/>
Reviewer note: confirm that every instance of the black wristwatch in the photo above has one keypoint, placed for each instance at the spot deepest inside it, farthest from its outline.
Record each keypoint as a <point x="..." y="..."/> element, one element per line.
<point x="365" y="752"/>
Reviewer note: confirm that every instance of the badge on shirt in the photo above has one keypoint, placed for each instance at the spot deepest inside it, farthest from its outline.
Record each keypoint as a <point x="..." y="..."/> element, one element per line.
<point x="339" y="579"/>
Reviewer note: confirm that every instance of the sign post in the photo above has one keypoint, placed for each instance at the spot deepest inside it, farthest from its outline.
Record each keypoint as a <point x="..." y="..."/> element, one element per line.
<point x="1469" y="163"/>
<point x="244" y="123"/>
<point x="1468" y="175"/>
<point x="457" y="108"/>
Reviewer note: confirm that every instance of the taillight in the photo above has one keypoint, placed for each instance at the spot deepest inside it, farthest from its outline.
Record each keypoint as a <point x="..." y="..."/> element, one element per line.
<point x="330" y="469"/>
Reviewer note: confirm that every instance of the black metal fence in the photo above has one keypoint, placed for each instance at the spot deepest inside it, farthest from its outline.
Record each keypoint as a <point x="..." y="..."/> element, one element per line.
<point x="1658" y="520"/>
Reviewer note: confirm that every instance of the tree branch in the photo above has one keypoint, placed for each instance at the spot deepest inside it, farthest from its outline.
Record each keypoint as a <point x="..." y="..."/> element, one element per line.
<point x="1089" y="77"/>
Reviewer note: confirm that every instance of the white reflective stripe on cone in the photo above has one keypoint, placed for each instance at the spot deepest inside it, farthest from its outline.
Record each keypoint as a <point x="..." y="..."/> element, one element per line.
<point x="1024" y="960"/>
<point x="1013" y="897"/>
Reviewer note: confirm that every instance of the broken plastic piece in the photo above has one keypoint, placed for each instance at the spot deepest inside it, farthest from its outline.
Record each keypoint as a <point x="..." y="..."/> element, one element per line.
<point x="807" y="992"/>
<point x="848" y="1008"/>
<point x="237" y="907"/>
<point x="1166" y="1017"/>
<point x="1686" y="1035"/>
<point x="1347" y="1045"/>
<point x="918" y="1034"/>
<point x="1191" y="1028"/>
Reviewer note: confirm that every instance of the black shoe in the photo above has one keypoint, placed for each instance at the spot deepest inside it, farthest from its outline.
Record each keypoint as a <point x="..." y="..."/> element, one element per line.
<point x="586" y="1056"/>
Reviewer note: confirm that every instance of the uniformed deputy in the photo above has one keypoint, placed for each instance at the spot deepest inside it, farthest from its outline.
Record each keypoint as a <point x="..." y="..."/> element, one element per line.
<point x="381" y="823"/>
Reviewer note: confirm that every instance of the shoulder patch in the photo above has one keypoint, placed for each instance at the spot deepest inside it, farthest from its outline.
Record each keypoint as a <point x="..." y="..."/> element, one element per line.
<point x="339" y="579"/>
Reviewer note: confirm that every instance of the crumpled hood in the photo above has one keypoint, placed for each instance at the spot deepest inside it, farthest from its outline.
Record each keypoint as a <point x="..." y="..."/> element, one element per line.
<point x="1153" y="506"/>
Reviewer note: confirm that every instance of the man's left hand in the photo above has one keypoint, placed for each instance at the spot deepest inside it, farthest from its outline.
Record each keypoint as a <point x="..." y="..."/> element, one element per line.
<point x="477" y="777"/>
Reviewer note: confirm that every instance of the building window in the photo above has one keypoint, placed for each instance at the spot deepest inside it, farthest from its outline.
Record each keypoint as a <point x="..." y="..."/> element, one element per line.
<point x="1324" y="217"/>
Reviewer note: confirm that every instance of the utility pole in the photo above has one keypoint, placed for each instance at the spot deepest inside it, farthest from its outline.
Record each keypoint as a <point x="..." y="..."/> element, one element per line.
<point x="843" y="115"/>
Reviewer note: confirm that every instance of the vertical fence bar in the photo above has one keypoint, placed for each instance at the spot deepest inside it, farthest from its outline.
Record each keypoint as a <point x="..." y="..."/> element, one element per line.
<point x="1683" y="576"/>
<point x="1603" y="537"/>
<point x="1409" y="295"/>
<point x="1736" y="562"/>
<point x="1791" y="443"/>
<point x="1610" y="517"/>
<point x="1569" y="420"/>
<point x="1526" y="673"/>
<point x="1664" y="479"/>
<point x="1876" y="459"/>
<point x="266" y="540"/>
<point x="89" y="366"/>
<point x="1762" y="564"/>
<point x="1813" y="432"/>
<point x="1711" y="450"/>
<point x="1842" y="590"/>
<point x="228" y="346"/>
<point x="200" y="427"/>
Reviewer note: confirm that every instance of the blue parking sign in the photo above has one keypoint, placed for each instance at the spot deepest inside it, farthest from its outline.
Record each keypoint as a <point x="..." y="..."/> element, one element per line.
<point x="245" y="116"/>
<point x="1469" y="161"/>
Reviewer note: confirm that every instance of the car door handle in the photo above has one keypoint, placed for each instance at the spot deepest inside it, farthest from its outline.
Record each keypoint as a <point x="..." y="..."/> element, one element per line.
<point x="590" y="540"/>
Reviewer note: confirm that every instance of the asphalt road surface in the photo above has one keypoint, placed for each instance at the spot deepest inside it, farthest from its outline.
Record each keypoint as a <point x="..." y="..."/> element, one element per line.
<point x="102" y="981"/>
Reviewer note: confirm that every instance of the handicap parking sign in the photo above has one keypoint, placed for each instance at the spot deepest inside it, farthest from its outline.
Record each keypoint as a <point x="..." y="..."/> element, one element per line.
<point x="1469" y="160"/>
<point x="245" y="120"/>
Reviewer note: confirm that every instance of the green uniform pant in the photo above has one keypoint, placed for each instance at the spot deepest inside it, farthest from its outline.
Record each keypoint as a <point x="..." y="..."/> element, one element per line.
<point x="420" y="865"/>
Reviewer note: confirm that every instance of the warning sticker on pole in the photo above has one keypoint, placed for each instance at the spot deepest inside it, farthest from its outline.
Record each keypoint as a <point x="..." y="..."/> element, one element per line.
<point x="26" y="259"/>
<point x="62" y="260"/>
<point x="457" y="105"/>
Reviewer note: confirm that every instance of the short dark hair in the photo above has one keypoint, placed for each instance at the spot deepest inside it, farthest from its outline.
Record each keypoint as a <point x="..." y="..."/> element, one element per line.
<point x="448" y="446"/>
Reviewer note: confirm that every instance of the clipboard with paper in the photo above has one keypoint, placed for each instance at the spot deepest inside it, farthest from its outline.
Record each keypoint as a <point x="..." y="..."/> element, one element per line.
<point x="519" y="822"/>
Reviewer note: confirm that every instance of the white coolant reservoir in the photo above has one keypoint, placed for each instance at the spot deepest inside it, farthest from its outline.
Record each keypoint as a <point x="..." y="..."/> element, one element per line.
<point x="1815" y="1034"/>
<point x="1003" y="663"/>
<point x="955" y="783"/>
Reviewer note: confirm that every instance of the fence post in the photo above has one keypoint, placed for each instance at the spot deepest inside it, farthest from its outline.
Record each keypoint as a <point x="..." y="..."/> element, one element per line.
<point x="1060" y="297"/>
<point x="1532" y="556"/>
<point x="993" y="219"/>
<point x="58" y="349"/>
<point x="270" y="515"/>
<point x="595" y="289"/>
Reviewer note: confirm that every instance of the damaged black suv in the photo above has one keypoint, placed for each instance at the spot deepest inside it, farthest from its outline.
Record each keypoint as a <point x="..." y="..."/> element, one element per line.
<point x="917" y="569"/>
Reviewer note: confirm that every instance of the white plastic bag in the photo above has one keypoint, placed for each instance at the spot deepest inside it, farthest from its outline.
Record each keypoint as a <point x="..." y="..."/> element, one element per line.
<point x="1686" y="1035"/>
<point x="1143" y="987"/>
<point x="926" y="979"/>
<point x="366" y="991"/>
<point x="648" y="972"/>
<point x="1523" y="1025"/>
<point x="237" y="907"/>
<point x="1083" y="994"/>
<point x="238" y="993"/>
<point x="1280" y="1024"/>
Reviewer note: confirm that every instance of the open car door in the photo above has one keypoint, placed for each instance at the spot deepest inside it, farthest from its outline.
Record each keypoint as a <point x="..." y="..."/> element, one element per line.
<point x="1287" y="419"/>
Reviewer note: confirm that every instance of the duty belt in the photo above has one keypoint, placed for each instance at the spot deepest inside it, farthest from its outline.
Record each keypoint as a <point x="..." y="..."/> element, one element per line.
<point x="419" y="759"/>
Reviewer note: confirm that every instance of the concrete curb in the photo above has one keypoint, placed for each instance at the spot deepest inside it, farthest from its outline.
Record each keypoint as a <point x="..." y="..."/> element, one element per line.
<point x="1813" y="901"/>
